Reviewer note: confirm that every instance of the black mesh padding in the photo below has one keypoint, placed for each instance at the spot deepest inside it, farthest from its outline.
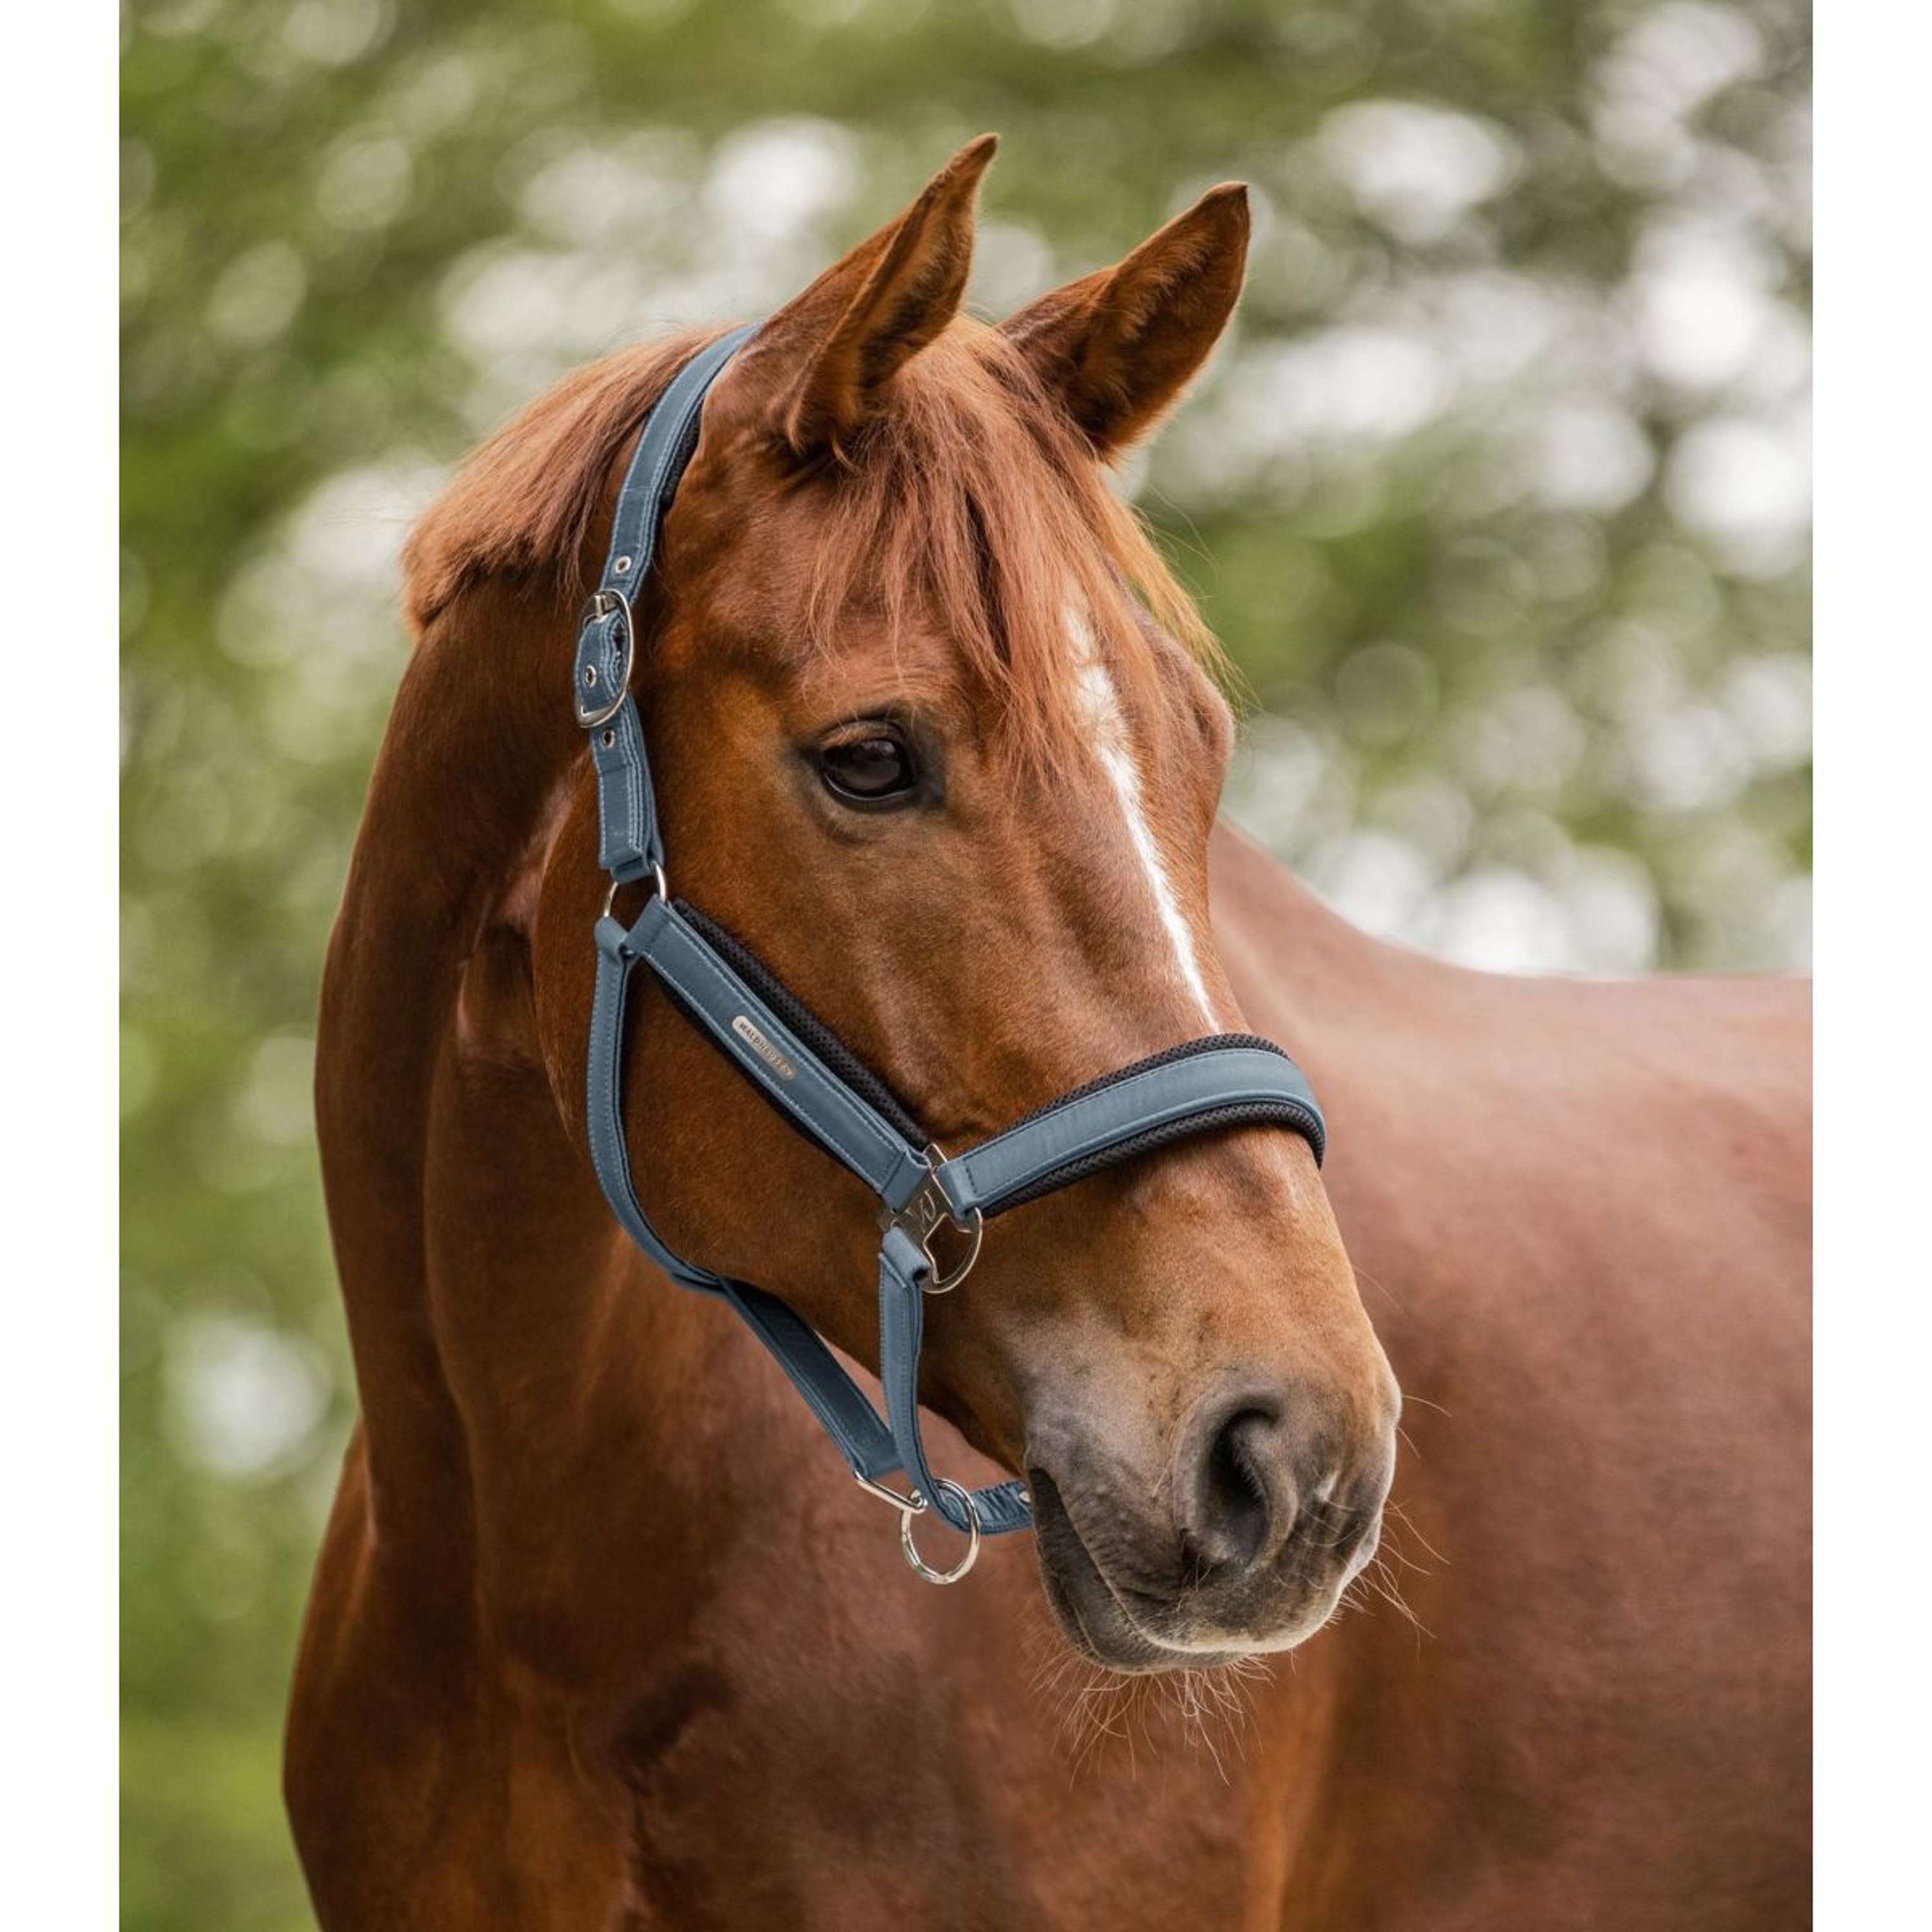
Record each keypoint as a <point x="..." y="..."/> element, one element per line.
<point x="809" y="1027"/>
<point x="1213" y="1042"/>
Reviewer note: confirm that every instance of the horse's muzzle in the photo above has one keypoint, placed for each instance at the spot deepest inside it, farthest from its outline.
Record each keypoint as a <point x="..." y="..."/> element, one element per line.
<point x="1247" y="1548"/>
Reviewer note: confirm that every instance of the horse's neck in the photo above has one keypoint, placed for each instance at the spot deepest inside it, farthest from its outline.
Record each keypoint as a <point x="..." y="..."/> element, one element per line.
<point x="587" y="1384"/>
<point x="479" y="1267"/>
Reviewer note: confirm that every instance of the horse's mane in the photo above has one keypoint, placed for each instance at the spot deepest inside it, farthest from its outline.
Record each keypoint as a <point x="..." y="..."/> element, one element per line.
<point x="969" y="495"/>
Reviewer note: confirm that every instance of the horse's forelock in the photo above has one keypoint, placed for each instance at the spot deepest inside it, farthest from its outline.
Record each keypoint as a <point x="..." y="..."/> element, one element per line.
<point x="970" y="495"/>
<point x="526" y="502"/>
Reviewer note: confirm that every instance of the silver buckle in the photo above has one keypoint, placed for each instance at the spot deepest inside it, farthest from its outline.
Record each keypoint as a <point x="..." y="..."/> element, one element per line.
<point x="924" y="1213"/>
<point x="595" y="706"/>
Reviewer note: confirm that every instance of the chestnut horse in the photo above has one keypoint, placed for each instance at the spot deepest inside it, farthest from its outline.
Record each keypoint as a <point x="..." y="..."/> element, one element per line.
<point x="603" y="1635"/>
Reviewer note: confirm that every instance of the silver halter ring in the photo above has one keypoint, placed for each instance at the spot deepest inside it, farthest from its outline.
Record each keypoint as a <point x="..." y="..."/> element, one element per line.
<point x="911" y="1548"/>
<point x="617" y="885"/>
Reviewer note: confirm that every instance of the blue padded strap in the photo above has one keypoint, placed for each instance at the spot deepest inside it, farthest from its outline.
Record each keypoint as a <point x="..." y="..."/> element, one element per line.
<point x="663" y="450"/>
<point x="773" y="1057"/>
<point x="629" y="844"/>
<point x="903" y="1266"/>
<point x="1084" y="1130"/>
<point x="610" y="1154"/>
<point x="831" y="1394"/>
<point x="1086" y="1127"/>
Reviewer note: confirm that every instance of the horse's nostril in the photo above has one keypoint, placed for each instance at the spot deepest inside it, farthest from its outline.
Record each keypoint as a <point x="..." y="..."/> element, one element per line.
<point x="1243" y="1494"/>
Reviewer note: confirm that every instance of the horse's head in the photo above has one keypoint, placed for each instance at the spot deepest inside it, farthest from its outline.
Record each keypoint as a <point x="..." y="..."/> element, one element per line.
<point x="920" y="746"/>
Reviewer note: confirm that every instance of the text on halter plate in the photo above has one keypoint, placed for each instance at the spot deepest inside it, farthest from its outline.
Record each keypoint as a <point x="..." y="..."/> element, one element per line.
<point x="763" y="1047"/>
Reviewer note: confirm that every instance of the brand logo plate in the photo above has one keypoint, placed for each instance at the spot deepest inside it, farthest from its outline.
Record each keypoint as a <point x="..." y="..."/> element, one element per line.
<point x="763" y="1047"/>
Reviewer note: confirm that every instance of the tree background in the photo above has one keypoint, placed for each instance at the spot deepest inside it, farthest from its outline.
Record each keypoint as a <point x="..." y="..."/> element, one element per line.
<point x="1497" y="493"/>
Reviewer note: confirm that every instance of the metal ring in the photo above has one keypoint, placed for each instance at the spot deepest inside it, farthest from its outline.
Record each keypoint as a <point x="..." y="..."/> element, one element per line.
<point x="616" y="885"/>
<point x="911" y="1548"/>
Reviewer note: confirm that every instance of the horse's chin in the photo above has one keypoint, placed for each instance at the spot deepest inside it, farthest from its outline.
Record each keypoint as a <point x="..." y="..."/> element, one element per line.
<point x="1103" y="1625"/>
<point x="1093" y="1623"/>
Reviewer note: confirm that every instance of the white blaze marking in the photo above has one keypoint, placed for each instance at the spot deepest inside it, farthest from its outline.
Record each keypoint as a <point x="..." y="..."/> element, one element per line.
<point x="1099" y="704"/>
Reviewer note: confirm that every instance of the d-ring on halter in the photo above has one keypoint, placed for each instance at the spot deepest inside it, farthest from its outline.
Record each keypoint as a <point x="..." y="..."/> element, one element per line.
<point x="818" y="1085"/>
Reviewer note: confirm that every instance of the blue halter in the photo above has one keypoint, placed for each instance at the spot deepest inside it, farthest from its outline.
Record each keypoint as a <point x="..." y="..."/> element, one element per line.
<point x="821" y="1088"/>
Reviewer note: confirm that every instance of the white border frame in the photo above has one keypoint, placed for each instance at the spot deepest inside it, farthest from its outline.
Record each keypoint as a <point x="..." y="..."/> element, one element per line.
<point x="58" y="1419"/>
<point x="1874" y="934"/>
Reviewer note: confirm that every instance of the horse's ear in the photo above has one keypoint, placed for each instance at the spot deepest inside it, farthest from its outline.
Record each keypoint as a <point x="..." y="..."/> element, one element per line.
<point x="837" y="345"/>
<point x="1118" y="346"/>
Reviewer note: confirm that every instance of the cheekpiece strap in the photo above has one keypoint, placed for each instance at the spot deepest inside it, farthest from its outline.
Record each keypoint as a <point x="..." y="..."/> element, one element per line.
<point x="629" y="845"/>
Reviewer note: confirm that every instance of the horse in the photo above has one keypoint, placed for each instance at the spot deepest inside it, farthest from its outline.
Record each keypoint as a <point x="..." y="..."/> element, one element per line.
<point x="601" y="1637"/>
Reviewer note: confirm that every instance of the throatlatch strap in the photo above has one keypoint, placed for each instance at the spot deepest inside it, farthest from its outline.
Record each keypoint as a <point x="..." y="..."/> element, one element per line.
<point x="843" y="1411"/>
<point x="609" y="1154"/>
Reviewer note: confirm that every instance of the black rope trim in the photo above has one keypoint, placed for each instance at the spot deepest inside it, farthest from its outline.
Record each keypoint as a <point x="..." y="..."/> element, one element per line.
<point x="802" y="1021"/>
<point x="1236" y="1114"/>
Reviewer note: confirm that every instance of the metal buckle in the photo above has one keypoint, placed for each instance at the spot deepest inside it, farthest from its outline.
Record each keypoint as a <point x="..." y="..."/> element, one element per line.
<point x="923" y="1215"/>
<point x="912" y="1503"/>
<point x="594" y="705"/>
<point x="908" y="1503"/>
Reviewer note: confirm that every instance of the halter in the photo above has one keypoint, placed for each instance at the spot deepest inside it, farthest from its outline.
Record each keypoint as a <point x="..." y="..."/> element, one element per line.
<point x="822" y="1089"/>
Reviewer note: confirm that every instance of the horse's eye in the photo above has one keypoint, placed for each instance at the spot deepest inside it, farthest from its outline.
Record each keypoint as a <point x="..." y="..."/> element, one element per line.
<point x="873" y="769"/>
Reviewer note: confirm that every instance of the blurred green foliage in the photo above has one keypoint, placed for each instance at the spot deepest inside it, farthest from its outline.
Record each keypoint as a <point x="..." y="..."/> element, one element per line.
<point x="1497" y="494"/>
